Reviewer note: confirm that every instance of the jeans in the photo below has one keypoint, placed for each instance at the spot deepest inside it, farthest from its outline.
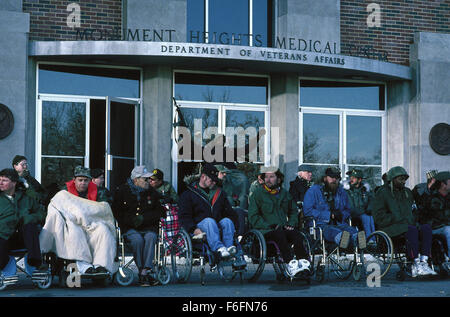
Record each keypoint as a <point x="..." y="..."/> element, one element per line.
<point x="242" y="216"/>
<point x="333" y="233"/>
<point x="445" y="231"/>
<point x="413" y="236"/>
<point x="368" y="224"/>
<point x="211" y="228"/>
<point x="143" y="246"/>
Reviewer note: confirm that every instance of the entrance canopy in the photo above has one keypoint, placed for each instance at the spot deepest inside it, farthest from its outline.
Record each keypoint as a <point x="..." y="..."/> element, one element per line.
<point x="213" y="57"/>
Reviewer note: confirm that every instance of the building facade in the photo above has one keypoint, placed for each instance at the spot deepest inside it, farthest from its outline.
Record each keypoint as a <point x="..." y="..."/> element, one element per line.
<point x="111" y="84"/>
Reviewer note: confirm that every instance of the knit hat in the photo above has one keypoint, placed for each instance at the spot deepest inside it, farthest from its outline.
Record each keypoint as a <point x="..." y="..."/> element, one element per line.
<point x="17" y="159"/>
<point x="81" y="171"/>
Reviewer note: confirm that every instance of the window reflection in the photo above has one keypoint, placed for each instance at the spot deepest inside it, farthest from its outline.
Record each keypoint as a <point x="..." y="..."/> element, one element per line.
<point x="88" y="81"/>
<point x="226" y="89"/>
<point x="231" y="17"/>
<point x="320" y="138"/>
<point x="364" y="140"/>
<point x="63" y="128"/>
<point x="341" y="95"/>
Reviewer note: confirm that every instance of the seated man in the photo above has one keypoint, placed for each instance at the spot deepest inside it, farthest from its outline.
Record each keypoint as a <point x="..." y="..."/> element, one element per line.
<point x="80" y="226"/>
<point x="138" y="211"/>
<point x="328" y="204"/>
<point x="392" y="212"/>
<point x="436" y="210"/>
<point x="204" y="208"/>
<point x="272" y="211"/>
<point x="360" y="198"/>
<point x="167" y="192"/>
<point x="22" y="213"/>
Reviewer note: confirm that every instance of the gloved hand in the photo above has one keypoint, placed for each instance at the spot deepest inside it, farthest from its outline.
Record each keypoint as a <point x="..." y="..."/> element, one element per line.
<point x="337" y="215"/>
<point x="138" y="220"/>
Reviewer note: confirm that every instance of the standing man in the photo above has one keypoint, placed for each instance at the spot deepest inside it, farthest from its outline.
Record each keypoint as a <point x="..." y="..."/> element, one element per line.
<point x="204" y="208"/>
<point x="360" y="198"/>
<point x="272" y="211"/>
<point x="35" y="189"/>
<point x="167" y="192"/>
<point x="299" y="186"/>
<point x="138" y="211"/>
<point x="19" y="211"/>
<point x="328" y="204"/>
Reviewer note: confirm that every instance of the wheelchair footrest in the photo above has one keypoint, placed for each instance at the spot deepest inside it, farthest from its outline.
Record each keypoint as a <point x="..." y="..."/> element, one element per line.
<point x="9" y="280"/>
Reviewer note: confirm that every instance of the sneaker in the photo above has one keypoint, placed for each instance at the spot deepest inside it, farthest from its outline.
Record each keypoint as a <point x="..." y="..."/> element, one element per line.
<point x="223" y="252"/>
<point x="90" y="271"/>
<point x="414" y="269"/>
<point x="345" y="239"/>
<point x="232" y="250"/>
<point x="362" y="244"/>
<point x="292" y="268"/>
<point x="446" y="266"/>
<point x="426" y="269"/>
<point x="304" y="265"/>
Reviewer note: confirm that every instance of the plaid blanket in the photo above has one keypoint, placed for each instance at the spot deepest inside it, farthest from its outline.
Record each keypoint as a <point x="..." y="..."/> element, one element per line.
<point x="171" y="226"/>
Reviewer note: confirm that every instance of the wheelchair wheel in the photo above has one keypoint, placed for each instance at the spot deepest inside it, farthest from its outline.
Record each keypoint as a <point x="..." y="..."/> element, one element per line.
<point x="357" y="271"/>
<point x="341" y="264"/>
<point x="202" y="276"/>
<point x="379" y="253"/>
<point x="125" y="279"/>
<point x="163" y="275"/>
<point x="46" y="282"/>
<point x="320" y="273"/>
<point x="181" y="257"/>
<point x="254" y="249"/>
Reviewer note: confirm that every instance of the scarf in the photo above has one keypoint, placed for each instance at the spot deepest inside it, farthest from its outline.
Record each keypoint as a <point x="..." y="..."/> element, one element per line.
<point x="135" y="190"/>
<point x="271" y="191"/>
<point x="91" y="191"/>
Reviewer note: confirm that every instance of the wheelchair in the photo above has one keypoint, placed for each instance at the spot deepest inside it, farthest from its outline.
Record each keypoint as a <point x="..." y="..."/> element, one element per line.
<point x="8" y="277"/>
<point x="125" y="275"/>
<point x="439" y="256"/>
<point x="342" y="263"/>
<point x="188" y="252"/>
<point x="258" y="251"/>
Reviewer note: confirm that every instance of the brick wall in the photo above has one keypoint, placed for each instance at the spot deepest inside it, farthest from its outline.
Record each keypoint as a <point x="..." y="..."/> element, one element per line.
<point x="399" y="21"/>
<point x="48" y="18"/>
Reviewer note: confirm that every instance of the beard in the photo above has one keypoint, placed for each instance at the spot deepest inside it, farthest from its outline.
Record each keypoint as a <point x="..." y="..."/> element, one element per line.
<point x="332" y="187"/>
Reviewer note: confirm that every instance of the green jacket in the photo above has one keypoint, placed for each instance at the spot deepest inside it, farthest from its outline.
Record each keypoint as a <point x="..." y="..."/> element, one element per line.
<point x="167" y="192"/>
<point x="436" y="210"/>
<point x="360" y="200"/>
<point x="392" y="210"/>
<point x="266" y="211"/>
<point x="23" y="209"/>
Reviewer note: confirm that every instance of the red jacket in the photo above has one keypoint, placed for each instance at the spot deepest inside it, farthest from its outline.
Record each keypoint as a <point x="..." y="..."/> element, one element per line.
<point x="92" y="190"/>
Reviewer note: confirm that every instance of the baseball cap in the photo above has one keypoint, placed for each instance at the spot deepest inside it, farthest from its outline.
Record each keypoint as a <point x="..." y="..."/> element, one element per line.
<point x="81" y="171"/>
<point x="221" y="168"/>
<point x="442" y="176"/>
<point x="355" y="173"/>
<point x="305" y="168"/>
<point x="157" y="174"/>
<point x="333" y="172"/>
<point x="210" y="171"/>
<point x="140" y="171"/>
<point x="268" y="169"/>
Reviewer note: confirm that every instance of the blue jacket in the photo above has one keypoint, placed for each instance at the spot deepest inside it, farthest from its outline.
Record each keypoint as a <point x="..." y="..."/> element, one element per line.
<point x="194" y="206"/>
<point x="314" y="204"/>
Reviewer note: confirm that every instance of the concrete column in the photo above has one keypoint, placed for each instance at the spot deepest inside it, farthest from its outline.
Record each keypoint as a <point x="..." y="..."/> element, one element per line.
<point x="430" y="60"/>
<point x="157" y="119"/>
<point x="284" y="116"/>
<point x="309" y="20"/>
<point x="14" y="26"/>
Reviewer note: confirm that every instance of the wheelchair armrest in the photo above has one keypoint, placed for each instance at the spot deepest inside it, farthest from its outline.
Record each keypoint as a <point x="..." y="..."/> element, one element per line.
<point x="307" y="220"/>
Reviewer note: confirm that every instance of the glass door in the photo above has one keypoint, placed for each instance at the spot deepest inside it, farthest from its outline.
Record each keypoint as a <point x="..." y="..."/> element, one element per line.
<point x="121" y="140"/>
<point x="342" y="138"/>
<point x="61" y="139"/>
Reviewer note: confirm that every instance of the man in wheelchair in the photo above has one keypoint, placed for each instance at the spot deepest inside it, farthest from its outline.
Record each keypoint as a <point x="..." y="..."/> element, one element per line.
<point x="393" y="214"/>
<point x="435" y="210"/>
<point x="329" y="206"/>
<point x="273" y="212"/>
<point x="21" y="218"/>
<point x="205" y="209"/>
<point x="138" y="210"/>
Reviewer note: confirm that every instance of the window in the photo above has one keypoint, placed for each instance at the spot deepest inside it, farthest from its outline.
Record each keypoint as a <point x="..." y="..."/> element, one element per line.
<point x="341" y="124"/>
<point x="235" y="106"/>
<point x="232" y="22"/>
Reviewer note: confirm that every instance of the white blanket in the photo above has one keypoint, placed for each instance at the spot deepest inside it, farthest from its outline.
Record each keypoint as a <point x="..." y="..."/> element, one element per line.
<point x="80" y="229"/>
